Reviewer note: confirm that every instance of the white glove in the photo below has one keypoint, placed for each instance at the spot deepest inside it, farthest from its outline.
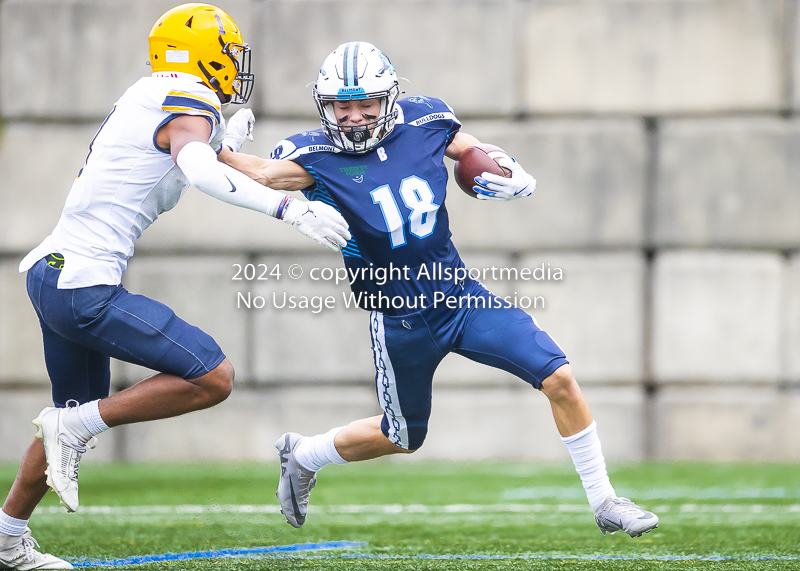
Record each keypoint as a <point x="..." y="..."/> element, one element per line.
<point x="495" y="187"/>
<point x="240" y="127"/>
<point x="319" y="222"/>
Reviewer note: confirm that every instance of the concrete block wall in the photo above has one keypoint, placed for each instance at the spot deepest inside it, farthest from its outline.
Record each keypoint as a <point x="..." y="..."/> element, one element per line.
<point x="665" y="138"/>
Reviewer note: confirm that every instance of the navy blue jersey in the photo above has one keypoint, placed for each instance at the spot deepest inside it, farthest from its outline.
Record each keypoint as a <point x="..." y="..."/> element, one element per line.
<point x="393" y="198"/>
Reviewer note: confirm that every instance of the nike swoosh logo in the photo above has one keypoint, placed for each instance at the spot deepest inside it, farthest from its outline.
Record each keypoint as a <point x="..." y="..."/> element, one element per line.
<point x="233" y="186"/>
<point x="284" y="459"/>
<point x="297" y="515"/>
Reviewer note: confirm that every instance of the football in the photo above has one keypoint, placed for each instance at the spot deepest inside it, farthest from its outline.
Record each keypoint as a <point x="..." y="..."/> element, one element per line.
<point x="475" y="161"/>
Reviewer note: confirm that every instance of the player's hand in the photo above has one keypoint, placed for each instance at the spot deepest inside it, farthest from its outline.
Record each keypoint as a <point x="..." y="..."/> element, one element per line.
<point x="240" y="127"/>
<point x="319" y="222"/>
<point x="495" y="187"/>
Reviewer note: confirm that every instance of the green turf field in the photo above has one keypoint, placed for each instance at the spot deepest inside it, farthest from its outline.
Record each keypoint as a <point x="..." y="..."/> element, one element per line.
<point x="413" y="515"/>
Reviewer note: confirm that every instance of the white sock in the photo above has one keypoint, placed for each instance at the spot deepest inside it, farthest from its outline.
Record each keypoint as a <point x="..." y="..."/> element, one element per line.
<point x="314" y="452"/>
<point x="89" y="413"/>
<point x="11" y="525"/>
<point x="587" y="455"/>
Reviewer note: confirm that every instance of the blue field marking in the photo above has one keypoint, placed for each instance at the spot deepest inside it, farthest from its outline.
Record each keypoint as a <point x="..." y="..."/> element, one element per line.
<point x="548" y="557"/>
<point x="220" y="553"/>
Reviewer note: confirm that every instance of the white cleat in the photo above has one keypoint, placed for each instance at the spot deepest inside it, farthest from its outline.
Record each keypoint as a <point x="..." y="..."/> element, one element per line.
<point x="296" y="482"/>
<point x="63" y="450"/>
<point x="616" y="514"/>
<point x="19" y="554"/>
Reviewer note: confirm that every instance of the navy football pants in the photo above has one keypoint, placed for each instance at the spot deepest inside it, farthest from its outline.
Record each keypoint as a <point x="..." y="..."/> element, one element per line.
<point x="83" y="327"/>
<point x="408" y="348"/>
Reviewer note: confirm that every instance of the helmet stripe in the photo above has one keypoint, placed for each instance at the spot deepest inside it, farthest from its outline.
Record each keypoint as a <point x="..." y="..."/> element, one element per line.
<point x="347" y="66"/>
<point x="221" y="27"/>
<point x="351" y="64"/>
<point x="355" y="63"/>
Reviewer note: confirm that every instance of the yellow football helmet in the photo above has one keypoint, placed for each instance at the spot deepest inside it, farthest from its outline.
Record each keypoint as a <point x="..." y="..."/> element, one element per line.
<point x="204" y="41"/>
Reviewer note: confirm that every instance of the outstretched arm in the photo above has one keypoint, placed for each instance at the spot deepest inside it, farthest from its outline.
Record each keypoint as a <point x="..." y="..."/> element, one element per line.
<point x="278" y="174"/>
<point x="187" y="136"/>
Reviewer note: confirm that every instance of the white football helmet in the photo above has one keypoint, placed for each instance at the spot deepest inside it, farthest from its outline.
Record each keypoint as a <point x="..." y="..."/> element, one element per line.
<point x="356" y="70"/>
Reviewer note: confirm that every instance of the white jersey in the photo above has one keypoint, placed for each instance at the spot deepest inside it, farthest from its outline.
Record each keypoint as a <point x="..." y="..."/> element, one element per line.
<point x="127" y="181"/>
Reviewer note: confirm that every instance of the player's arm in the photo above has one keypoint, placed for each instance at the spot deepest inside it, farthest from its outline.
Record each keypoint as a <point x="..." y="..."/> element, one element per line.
<point x="461" y="142"/>
<point x="187" y="136"/>
<point x="491" y="186"/>
<point x="281" y="175"/>
<point x="278" y="174"/>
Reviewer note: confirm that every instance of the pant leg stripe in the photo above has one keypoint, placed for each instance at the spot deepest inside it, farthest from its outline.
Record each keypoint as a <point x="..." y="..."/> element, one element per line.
<point x="386" y="383"/>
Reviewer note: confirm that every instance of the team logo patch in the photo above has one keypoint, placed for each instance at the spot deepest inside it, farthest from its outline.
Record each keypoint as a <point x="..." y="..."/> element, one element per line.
<point x="382" y="154"/>
<point x="354" y="171"/>
<point x="420" y="100"/>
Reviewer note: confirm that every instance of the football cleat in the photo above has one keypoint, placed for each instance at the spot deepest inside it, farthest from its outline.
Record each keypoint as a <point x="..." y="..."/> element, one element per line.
<point x="63" y="451"/>
<point x="296" y="482"/>
<point x="19" y="554"/>
<point x="616" y="514"/>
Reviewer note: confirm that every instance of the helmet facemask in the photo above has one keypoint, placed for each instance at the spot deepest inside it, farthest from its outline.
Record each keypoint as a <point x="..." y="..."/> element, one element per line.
<point x="365" y="136"/>
<point x="242" y="85"/>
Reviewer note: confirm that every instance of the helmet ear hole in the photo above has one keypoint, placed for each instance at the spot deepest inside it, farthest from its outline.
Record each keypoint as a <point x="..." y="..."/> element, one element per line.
<point x="217" y="66"/>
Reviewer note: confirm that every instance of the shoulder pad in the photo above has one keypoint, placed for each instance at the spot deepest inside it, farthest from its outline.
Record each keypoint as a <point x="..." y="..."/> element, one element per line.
<point x="193" y="99"/>
<point x="429" y="111"/>
<point x="305" y="143"/>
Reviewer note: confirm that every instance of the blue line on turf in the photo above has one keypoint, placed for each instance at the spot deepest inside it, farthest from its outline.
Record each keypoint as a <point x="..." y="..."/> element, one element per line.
<point x="552" y="557"/>
<point x="275" y="549"/>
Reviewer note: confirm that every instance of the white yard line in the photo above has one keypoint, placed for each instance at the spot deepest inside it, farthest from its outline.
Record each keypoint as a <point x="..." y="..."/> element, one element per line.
<point x="192" y="509"/>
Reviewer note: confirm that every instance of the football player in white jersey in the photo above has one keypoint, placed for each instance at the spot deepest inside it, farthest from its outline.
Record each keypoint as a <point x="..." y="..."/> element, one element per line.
<point x="159" y="139"/>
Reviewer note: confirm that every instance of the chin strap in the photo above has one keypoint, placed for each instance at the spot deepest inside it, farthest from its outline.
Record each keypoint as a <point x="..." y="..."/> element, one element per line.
<point x="213" y="83"/>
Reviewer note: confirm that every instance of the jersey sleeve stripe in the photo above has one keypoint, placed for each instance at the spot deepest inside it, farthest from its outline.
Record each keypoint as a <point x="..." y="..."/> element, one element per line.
<point x="187" y="103"/>
<point x="178" y="93"/>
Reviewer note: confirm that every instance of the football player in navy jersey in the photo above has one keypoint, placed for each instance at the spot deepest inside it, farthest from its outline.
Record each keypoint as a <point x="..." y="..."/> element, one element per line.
<point x="378" y="160"/>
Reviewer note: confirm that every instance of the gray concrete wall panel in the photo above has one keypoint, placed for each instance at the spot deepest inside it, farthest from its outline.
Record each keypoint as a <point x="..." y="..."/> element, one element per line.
<point x="590" y="186"/>
<point x="793" y="50"/>
<point x="297" y="344"/>
<point x="732" y="182"/>
<point x="460" y="51"/>
<point x="791" y="331"/>
<point x="717" y="316"/>
<point x="21" y="350"/>
<point x="726" y="423"/>
<point x="79" y="56"/>
<point x="38" y="163"/>
<point x="652" y="57"/>
<point x="595" y="313"/>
